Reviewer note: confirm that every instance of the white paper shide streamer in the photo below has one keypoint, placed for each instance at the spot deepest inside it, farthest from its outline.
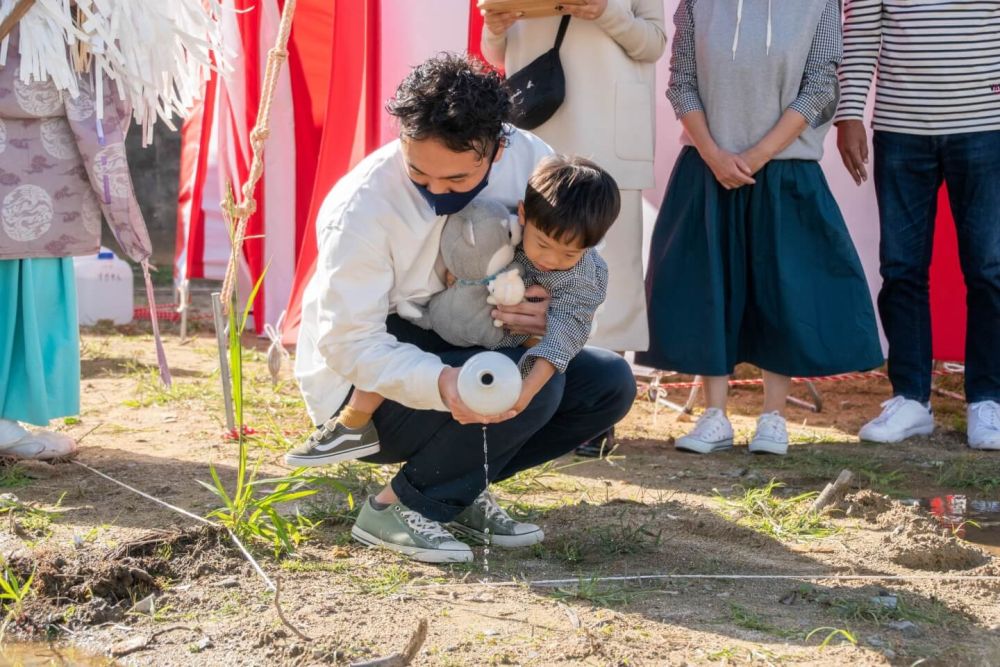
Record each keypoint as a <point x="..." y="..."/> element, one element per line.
<point x="157" y="53"/>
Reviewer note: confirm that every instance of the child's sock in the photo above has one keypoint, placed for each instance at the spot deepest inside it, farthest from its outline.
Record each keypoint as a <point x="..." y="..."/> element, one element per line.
<point x="353" y="418"/>
<point x="377" y="505"/>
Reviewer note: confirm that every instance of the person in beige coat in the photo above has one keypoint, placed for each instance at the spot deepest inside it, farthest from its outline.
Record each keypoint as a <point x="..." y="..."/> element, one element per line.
<point x="608" y="57"/>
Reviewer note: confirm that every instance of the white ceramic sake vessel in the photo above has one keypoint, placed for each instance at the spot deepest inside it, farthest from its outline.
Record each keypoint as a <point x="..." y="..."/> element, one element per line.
<point x="489" y="383"/>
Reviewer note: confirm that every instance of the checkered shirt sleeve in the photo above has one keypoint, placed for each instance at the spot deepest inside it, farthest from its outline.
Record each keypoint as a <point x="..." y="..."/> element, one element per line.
<point x="817" y="99"/>
<point x="682" y="91"/>
<point x="576" y="295"/>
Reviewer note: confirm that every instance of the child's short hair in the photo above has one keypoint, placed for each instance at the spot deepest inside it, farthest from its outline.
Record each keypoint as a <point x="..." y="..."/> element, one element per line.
<point x="571" y="199"/>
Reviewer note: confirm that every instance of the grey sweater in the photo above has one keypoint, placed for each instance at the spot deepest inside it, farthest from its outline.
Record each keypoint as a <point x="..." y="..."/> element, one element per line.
<point x="745" y="62"/>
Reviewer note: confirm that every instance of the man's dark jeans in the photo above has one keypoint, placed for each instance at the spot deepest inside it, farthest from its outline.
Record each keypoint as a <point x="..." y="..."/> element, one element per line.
<point x="909" y="170"/>
<point x="443" y="469"/>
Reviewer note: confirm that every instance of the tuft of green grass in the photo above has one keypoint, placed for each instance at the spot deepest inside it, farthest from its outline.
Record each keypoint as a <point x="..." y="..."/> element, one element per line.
<point x="751" y="620"/>
<point x="532" y="480"/>
<point x="728" y="653"/>
<point x="625" y="535"/>
<point x="13" y="476"/>
<point x="826" y="465"/>
<point x="784" y="519"/>
<point x="968" y="472"/>
<point x="561" y="548"/>
<point x="597" y="593"/>
<point x="36" y="522"/>
<point x="340" y="488"/>
<point x="149" y="390"/>
<point x="13" y="593"/>
<point x="866" y="610"/>
<point x="843" y="633"/>
<point x="337" y="567"/>
<point x="385" y="582"/>
<point x="522" y="510"/>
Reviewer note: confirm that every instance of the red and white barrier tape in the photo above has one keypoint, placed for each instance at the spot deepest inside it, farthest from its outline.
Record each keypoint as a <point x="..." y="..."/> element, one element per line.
<point x="843" y="377"/>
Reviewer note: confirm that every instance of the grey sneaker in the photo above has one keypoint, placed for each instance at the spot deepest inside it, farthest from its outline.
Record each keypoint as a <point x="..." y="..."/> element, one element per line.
<point x="334" y="442"/>
<point x="410" y="533"/>
<point x="504" y="531"/>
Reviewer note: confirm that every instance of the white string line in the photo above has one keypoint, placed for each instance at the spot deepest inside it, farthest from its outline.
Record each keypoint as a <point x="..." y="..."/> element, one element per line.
<point x="551" y="583"/>
<point x="181" y="510"/>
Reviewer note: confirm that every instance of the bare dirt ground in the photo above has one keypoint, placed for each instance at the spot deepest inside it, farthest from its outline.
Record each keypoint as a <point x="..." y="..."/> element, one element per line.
<point x="96" y="549"/>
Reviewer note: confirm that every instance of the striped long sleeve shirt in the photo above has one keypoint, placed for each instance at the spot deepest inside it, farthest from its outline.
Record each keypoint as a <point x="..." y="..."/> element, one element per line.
<point x="938" y="64"/>
<point x="576" y="295"/>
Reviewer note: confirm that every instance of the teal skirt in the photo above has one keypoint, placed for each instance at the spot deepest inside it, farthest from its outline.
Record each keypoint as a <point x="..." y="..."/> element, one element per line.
<point x="39" y="340"/>
<point x="765" y="274"/>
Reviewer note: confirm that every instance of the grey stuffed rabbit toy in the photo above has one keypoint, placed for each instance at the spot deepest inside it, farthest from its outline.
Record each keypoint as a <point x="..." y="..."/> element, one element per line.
<point x="477" y="246"/>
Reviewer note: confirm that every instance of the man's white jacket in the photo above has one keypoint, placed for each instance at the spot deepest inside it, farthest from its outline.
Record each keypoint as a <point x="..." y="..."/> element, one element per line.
<point x="379" y="245"/>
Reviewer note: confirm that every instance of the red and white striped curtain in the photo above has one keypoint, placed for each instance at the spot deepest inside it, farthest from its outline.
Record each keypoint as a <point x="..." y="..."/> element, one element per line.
<point x="216" y="151"/>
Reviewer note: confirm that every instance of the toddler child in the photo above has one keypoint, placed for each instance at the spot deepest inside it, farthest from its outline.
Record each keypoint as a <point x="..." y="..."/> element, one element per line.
<point x="568" y="207"/>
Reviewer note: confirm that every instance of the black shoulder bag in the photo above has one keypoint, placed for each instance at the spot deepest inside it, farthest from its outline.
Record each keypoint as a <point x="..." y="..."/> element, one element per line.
<point x="538" y="89"/>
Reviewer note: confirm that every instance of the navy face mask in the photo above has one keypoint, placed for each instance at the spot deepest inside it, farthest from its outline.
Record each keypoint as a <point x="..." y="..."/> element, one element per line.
<point x="453" y="202"/>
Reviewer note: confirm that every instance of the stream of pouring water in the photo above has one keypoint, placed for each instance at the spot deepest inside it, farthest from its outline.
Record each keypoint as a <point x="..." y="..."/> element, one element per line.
<point x="486" y="488"/>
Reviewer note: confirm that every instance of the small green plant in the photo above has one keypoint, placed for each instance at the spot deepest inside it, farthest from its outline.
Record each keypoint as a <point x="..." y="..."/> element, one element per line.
<point x="562" y="548"/>
<point x="625" y="536"/>
<point x="255" y="516"/>
<point x="828" y="462"/>
<point x="966" y="472"/>
<point x="28" y="521"/>
<point x="149" y="389"/>
<point x="781" y="518"/>
<point x="751" y="620"/>
<point x="13" y="593"/>
<point x="844" y="634"/>
<point x="12" y="476"/>
<point x="728" y="653"/>
<point x="869" y="610"/>
<point x="523" y="510"/>
<point x="385" y="582"/>
<point x="251" y="511"/>
<point x="593" y="591"/>
<point x="528" y="481"/>
<point x="291" y="565"/>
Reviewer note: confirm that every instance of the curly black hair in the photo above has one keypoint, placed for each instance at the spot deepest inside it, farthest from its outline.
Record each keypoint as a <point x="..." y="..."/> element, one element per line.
<point x="455" y="99"/>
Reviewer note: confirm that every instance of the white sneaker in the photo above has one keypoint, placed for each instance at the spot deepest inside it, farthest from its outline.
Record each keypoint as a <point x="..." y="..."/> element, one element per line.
<point x="984" y="425"/>
<point x="712" y="433"/>
<point x="11" y="432"/>
<point x="901" y="418"/>
<point x="39" y="446"/>
<point x="771" y="436"/>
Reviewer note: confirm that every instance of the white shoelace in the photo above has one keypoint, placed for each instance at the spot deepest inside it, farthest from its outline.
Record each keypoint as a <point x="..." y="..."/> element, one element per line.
<point x="711" y="426"/>
<point x="889" y="408"/>
<point x="424" y="527"/>
<point x="772" y="427"/>
<point x="492" y="510"/>
<point x="988" y="413"/>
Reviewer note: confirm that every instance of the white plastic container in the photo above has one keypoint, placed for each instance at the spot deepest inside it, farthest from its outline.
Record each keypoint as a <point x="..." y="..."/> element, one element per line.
<point x="104" y="288"/>
<point x="489" y="383"/>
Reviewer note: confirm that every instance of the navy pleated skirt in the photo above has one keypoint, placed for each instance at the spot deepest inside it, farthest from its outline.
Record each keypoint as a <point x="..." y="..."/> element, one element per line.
<point x="765" y="274"/>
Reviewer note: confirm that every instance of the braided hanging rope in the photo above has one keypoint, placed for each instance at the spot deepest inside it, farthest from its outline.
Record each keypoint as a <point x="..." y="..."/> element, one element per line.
<point x="238" y="214"/>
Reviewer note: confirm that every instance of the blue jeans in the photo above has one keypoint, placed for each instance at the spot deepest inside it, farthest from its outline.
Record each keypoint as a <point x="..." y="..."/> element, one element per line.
<point x="443" y="472"/>
<point x="909" y="170"/>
